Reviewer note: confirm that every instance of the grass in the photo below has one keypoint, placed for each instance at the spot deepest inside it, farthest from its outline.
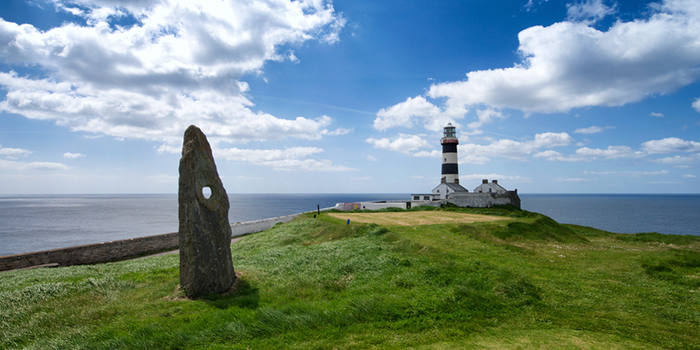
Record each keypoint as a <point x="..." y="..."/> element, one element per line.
<point x="524" y="282"/>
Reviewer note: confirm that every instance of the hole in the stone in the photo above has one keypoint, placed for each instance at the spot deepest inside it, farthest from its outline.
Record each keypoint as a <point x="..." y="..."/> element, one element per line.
<point x="206" y="192"/>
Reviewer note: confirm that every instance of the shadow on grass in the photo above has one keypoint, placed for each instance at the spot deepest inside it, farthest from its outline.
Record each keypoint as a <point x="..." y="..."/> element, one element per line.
<point x="242" y="295"/>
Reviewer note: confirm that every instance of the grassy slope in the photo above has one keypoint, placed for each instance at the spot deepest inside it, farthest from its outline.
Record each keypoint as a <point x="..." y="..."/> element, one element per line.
<point x="528" y="282"/>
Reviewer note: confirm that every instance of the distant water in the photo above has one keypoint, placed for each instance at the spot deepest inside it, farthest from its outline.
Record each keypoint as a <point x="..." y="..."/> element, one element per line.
<point x="32" y="223"/>
<point x="622" y="213"/>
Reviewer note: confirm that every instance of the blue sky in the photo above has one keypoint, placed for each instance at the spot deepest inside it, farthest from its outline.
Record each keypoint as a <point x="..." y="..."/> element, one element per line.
<point x="314" y="96"/>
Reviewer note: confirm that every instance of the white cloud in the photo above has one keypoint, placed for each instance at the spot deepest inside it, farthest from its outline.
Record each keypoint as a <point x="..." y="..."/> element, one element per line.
<point x="571" y="64"/>
<point x="593" y="129"/>
<point x="499" y="177"/>
<point x="552" y="156"/>
<point x="696" y="104"/>
<point x="612" y="152"/>
<point x="289" y="159"/>
<point x="589" y="11"/>
<point x="517" y="150"/>
<point x="73" y="155"/>
<point x="670" y="145"/>
<point x="9" y="165"/>
<point x="571" y="179"/>
<point x="657" y="115"/>
<point x="472" y="159"/>
<point x="689" y="176"/>
<point x="406" y="113"/>
<point x="363" y="178"/>
<point x="371" y="158"/>
<point x="13" y="153"/>
<point x="628" y="173"/>
<point x="180" y="64"/>
<point x="336" y="132"/>
<point x="433" y="154"/>
<point x="485" y="116"/>
<point x="678" y="160"/>
<point x="402" y="143"/>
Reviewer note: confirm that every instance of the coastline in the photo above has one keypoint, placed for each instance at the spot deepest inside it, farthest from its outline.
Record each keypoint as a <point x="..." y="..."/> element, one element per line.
<point x="122" y="249"/>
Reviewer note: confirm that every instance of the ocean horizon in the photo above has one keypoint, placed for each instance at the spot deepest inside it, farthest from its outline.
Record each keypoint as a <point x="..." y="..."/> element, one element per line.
<point x="41" y="222"/>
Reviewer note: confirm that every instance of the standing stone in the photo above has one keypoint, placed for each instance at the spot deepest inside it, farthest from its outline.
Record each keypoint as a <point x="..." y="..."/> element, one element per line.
<point x="205" y="232"/>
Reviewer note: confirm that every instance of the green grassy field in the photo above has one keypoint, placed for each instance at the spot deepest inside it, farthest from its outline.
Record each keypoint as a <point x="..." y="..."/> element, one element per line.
<point x="525" y="282"/>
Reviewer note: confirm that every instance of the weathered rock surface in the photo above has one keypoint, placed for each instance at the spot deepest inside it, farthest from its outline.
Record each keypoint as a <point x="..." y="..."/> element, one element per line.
<point x="205" y="232"/>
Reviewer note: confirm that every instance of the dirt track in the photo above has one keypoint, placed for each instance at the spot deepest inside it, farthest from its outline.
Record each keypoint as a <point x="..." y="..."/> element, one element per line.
<point x="415" y="218"/>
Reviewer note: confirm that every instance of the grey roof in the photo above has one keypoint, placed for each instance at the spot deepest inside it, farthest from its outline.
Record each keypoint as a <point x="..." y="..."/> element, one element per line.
<point x="456" y="187"/>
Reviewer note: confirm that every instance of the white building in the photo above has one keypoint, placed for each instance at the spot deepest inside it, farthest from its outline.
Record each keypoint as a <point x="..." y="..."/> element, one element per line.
<point x="492" y="187"/>
<point x="445" y="188"/>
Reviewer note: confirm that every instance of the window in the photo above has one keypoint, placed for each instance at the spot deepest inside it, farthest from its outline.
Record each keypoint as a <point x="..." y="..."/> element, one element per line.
<point x="427" y="198"/>
<point x="415" y="198"/>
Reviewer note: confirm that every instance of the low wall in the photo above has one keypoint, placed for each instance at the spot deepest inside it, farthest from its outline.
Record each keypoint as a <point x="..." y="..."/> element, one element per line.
<point x="244" y="228"/>
<point x="483" y="200"/>
<point x="91" y="253"/>
<point x="116" y="250"/>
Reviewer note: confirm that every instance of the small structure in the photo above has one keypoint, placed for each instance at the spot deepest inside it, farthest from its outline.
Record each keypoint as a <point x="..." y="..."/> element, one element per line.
<point x="204" y="232"/>
<point x="492" y="187"/>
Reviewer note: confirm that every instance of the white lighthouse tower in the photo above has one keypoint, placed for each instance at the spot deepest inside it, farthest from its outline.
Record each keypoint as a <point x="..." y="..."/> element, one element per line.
<point x="449" y="182"/>
<point x="449" y="142"/>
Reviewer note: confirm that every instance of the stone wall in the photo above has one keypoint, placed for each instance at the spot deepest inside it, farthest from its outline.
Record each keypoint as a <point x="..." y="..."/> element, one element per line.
<point x="244" y="228"/>
<point x="483" y="200"/>
<point x="116" y="250"/>
<point x="475" y="200"/>
<point x="91" y="253"/>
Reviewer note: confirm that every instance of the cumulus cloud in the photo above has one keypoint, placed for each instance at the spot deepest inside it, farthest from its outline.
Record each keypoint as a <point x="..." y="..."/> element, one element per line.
<point x="589" y="12"/>
<point x="612" y="152"/>
<point x="571" y="179"/>
<point x="13" y="153"/>
<point x="73" y="155"/>
<point x="336" y="132"/>
<point x="696" y="105"/>
<point x="571" y="64"/>
<point x="515" y="149"/>
<point x="288" y="159"/>
<point x="485" y="116"/>
<point x="678" y="160"/>
<point x="499" y="177"/>
<point x="10" y="165"/>
<point x="472" y="159"/>
<point x="402" y="143"/>
<point x="406" y="113"/>
<point x="670" y="145"/>
<point x="432" y="154"/>
<point x="628" y="173"/>
<point x="552" y="156"/>
<point x="181" y="63"/>
<point x="592" y="129"/>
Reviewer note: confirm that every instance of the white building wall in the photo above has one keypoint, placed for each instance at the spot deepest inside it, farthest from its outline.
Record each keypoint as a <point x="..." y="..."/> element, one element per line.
<point x="489" y="188"/>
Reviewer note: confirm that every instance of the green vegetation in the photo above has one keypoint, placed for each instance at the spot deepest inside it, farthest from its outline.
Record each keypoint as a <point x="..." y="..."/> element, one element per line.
<point x="527" y="282"/>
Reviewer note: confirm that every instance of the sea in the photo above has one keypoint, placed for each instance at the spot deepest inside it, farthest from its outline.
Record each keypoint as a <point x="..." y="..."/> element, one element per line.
<point x="42" y="222"/>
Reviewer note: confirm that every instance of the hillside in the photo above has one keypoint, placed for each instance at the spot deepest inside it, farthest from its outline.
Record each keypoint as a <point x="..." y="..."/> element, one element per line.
<point x="514" y="279"/>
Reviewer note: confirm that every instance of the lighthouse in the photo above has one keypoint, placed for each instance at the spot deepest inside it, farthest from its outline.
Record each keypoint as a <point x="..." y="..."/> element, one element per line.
<point x="449" y="142"/>
<point x="449" y="182"/>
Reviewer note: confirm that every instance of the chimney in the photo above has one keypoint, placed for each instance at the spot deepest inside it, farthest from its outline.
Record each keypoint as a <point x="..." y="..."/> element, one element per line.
<point x="485" y="181"/>
<point x="495" y="182"/>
